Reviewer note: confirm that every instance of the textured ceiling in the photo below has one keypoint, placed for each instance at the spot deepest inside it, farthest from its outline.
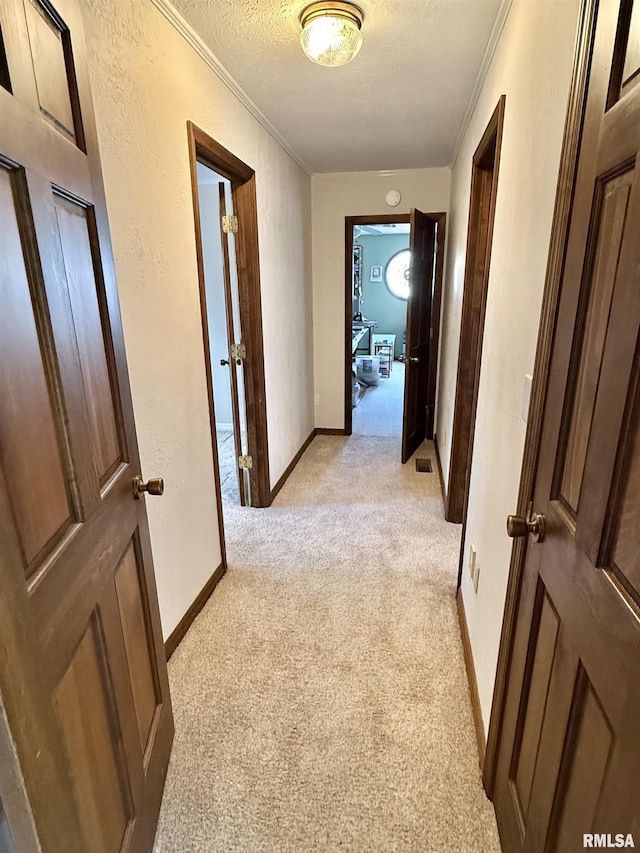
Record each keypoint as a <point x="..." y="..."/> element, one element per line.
<point x="398" y="105"/>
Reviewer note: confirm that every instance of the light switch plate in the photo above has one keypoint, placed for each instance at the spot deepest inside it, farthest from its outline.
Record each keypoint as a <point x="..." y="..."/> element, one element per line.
<point x="526" y="397"/>
<point x="474" y="567"/>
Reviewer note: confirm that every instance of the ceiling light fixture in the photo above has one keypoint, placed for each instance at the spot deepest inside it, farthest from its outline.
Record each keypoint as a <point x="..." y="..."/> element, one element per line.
<point x="331" y="32"/>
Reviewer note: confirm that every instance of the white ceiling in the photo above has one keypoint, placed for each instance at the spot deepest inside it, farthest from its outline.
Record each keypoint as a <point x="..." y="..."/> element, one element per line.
<point x="382" y="229"/>
<point x="399" y="104"/>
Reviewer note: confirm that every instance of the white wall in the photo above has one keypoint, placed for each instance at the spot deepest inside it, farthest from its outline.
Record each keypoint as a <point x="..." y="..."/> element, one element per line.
<point x="532" y="66"/>
<point x="335" y="196"/>
<point x="216" y="305"/>
<point x="147" y="82"/>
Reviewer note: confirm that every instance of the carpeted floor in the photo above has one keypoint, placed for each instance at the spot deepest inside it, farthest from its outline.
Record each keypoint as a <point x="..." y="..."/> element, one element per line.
<point x="379" y="411"/>
<point x="320" y="698"/>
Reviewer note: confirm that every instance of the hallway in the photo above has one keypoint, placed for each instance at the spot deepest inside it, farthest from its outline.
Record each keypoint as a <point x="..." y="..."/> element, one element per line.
<point x="320" y="698"/>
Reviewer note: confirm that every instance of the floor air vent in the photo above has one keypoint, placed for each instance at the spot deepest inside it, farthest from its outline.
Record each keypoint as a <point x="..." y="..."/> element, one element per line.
<point x="423" y="466"/>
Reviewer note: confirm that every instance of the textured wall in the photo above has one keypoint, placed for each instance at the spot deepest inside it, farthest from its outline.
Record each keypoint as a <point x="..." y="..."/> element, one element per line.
<point x="335" y="196"/>
<point x="147" y="82"/>
<point x="532" y="66"/>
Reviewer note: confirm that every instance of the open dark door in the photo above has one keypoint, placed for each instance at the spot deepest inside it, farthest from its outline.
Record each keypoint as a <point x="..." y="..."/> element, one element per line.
<point x="231" y="337"/>
<point x="416" y="385"/>
<point x="83" y="677"/>
<point x="569" y="752"/>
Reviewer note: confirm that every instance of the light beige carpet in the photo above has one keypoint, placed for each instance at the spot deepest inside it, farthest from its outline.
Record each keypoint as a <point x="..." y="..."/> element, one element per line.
<point x="320" y="698"/>
<point x="379" y="412"/>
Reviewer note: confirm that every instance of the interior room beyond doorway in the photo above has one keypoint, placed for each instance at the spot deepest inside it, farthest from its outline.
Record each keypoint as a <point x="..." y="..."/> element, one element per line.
<point x="379" y="317"/>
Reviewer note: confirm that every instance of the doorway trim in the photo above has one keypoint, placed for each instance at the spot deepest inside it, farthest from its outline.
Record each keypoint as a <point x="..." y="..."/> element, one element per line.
<point x="555" y="262"/>
<point x="243" y="187"/>
<point x="390" y="218"/>
<point x="482" y="208"/>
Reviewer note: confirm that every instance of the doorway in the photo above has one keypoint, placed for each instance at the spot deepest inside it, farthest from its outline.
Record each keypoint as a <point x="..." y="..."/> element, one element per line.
<point x="392" y="306"/>
<point x="484" y="185"/>
<point x="230" y="300"/>
<point x="379" y="321"/>
<point x="224" y="330"/>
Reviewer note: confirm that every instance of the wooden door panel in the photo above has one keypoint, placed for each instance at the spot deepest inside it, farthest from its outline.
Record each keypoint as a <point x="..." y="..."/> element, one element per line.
<point x="65" y="591"/>
<point x="76" y="232"/>
<point x="534" y="696"/>
<point x="587" y="750"/>
<point x="30" y="424"/>
<point x="627" y="52"/>
<point x="625" y="562"/>
<point x="565" y="741"/>
<point x="543" y="718"/>
<point x="53" y="68"/>
<point x="91" y="726"/>
<point x="137" y="631"/>
<point x="631" y="68"/>
<point x="5" y="82"/>
<point x="612" y="199"/>
<point x="615" y="390"/>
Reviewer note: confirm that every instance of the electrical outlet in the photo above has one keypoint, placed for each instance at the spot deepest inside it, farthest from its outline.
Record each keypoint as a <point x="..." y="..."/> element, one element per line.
<point x="317" y="400"/>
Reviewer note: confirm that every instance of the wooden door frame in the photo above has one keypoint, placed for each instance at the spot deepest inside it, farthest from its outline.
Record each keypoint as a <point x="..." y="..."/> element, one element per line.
<point x="474" y="303"/>
<point x="391" y="218"/>
<point x="243" y="187"/>
<point x="551" y="296"/>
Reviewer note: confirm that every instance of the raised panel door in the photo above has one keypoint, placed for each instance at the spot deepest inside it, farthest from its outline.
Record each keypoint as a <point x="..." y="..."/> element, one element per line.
<point x="84" y="679"/>
<point x="569" y="756"/>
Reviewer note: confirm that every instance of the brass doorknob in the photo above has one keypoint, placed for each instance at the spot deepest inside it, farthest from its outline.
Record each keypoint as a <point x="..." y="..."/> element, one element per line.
<point x="154" y="486"/>
<point x="518" y="525"/>
<point x="413" y="359"/>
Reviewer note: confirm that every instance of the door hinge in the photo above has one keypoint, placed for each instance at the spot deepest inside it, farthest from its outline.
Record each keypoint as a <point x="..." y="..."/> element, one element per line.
<point x="230" y="224"/>
<point x="245" y="462"/>
<point x="238" y="352"/>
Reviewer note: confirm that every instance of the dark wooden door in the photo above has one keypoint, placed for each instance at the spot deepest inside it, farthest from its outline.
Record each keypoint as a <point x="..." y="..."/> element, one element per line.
<point x="569" y="754"/>
<point x="82" y="669"/>
<point x="416" y="384"/>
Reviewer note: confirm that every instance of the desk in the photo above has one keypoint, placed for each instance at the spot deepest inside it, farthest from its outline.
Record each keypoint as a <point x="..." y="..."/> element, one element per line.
<point x="363" y="326"/>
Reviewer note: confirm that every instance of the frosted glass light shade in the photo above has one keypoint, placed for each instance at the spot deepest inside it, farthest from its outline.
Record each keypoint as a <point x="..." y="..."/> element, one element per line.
<point x="331" y="32"/>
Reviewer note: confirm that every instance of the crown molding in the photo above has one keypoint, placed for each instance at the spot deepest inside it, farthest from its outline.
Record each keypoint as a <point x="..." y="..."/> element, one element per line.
<point x="381" y="173"/>
<point x="494" y="38"/>
<point x="206" y="54"/>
